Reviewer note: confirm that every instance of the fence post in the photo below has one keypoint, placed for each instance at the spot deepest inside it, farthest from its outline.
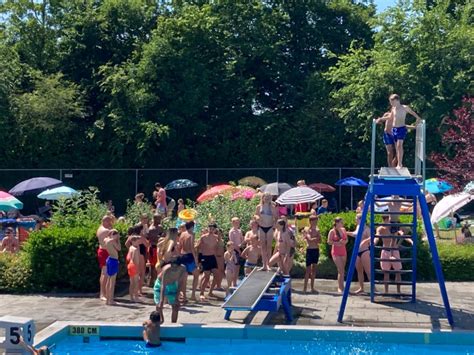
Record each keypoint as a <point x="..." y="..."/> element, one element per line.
<point x="340" y="177"/>
<point x="207" y="178"/>
<point x="61" y="174"/>
<point x="278" y="175"/>
<point x="136" y="181"/>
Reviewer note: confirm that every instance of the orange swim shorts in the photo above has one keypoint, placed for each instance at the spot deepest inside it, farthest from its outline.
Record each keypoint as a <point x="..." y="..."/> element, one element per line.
<point x="132" y="269"/>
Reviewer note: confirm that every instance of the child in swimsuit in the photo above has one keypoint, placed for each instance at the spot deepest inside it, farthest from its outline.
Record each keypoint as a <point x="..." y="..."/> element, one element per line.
<point x="151" y="330"/>
<point x="132" y="267"/>
<point x="251" y="254"/>
<point x="231" y="266"/>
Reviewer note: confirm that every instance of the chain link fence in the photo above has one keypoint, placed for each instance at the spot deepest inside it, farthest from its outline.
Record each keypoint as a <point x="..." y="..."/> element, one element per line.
<point x="119" y="185"/>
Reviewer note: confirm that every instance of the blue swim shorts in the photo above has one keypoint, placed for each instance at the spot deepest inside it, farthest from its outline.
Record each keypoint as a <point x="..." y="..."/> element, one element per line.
<point x="188" y="261"/>
<point x="112" y="266"/>
<point x="388" y="139"/>
<point x="399" y="133"/>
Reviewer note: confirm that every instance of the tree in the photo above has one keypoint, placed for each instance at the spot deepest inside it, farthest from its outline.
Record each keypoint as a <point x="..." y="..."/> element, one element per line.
<point x="423" y="52"/>
<point x="456" y="165"/>
<point x="46" y="120"/>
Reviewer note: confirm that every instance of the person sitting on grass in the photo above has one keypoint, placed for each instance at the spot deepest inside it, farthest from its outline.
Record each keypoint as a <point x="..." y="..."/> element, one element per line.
<point x="151" y="330"/>
<point x="112" y="243"/>
<point x="252" y="253"/>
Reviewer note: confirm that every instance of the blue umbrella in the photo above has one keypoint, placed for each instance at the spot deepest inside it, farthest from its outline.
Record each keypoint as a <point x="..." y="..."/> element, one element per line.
<point x="34" y="185"/>
<point x="180" y="184"/>
<point x="57" y="193"/>
<point x="436" y="186"/>
<point x="352" y="181"/>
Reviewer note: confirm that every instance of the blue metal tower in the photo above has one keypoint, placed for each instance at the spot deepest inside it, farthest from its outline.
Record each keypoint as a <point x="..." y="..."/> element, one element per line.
<point x="396" y="186"/>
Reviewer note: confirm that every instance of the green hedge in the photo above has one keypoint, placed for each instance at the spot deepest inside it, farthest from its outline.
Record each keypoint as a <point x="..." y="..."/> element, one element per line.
<point x="457" y="261"/>
<point x="64" y="259"/>
<point x="15" y="273"/>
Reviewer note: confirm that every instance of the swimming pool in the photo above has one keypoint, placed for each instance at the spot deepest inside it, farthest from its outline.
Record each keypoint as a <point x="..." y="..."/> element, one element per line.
<point x="238" y="340"/>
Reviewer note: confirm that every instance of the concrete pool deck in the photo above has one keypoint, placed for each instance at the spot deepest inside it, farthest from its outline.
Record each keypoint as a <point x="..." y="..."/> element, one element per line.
<point x="319" y="309"/>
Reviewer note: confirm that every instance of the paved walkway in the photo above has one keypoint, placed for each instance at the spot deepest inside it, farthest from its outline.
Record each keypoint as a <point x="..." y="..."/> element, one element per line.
<point x="308" y="309"/>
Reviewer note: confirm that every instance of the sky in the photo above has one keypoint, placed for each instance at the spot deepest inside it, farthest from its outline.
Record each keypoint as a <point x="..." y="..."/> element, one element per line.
<point x="383" y="4"/>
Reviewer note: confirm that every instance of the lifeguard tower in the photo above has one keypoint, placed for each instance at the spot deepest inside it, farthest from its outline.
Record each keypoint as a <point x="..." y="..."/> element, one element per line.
<point x="385" y="184"/>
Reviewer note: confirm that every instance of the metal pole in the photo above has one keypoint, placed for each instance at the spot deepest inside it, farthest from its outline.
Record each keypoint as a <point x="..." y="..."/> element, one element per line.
<point x="61" y="174"/>
<point x="136" y="181"/>
<point x="278" y="175"/>
<point x="207" y="178"/>
<point x="340" y="196"/>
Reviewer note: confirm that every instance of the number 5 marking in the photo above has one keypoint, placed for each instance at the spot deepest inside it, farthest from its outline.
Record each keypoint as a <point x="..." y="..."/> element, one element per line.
<point x="15" y="335"/>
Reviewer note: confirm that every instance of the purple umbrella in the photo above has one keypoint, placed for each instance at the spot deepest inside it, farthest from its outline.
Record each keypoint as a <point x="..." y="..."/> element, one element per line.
<point x="34" y="185"/>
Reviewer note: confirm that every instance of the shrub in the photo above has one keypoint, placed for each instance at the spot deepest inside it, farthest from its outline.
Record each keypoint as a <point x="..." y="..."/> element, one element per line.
<point x="222" y="208"/>
<point x="457" y="261"/>
<point x="83" y="209"/>
<point x="15" y="273"/>
<point x="63" y="259"/>
<point x="135" y="211"/>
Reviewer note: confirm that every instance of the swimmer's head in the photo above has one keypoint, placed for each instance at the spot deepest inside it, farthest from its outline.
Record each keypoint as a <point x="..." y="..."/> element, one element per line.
<point x="155" y="317"/>
<point x="394" y="99"/>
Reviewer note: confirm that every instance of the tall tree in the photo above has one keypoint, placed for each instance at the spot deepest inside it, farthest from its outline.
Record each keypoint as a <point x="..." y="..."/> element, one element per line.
<point x="423" y="52"/>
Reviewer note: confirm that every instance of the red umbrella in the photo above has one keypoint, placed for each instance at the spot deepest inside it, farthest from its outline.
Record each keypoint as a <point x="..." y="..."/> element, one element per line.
<point x="321" y="187"/>
<point x="214" y="191"/>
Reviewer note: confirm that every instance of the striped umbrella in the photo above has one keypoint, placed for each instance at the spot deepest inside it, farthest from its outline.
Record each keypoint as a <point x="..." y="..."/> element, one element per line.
<point x="300" y="194"/>
<point x="9" y="202"/>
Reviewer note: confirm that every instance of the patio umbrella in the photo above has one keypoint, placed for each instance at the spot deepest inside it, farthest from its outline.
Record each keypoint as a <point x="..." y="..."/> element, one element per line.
<point x="275" y="188"/>
<point x="352" y="181"/>
<point x="34" y="185"/>
<point x="300" y="194"/>
<point x="9" y="202"/>
<point x="180" y="184"/>
<point x="57" y="193"/>
<point x="244" y="192"/>
<point x="450" y="204"/>
<point x="253" y="181"/>
<point x="321" y="187"/>
<point x="214" y="191"/>
<point x="437" y="186"/>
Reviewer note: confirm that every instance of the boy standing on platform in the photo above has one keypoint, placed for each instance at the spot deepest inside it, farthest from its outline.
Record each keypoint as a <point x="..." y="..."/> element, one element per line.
<point x="399" y="131"/>
<point x="388" y="138"/>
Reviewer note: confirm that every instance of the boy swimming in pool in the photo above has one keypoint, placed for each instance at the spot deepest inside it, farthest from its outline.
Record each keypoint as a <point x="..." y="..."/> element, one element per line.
<point x="151" y="330"/>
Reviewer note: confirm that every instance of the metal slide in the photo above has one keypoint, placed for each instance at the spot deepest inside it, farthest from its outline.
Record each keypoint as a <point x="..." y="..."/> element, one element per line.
<point x="250" y="291"/>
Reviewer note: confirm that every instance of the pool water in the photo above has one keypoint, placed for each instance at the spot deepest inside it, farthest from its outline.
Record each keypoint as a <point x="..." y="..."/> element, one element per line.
<point x="75" y="345"/>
